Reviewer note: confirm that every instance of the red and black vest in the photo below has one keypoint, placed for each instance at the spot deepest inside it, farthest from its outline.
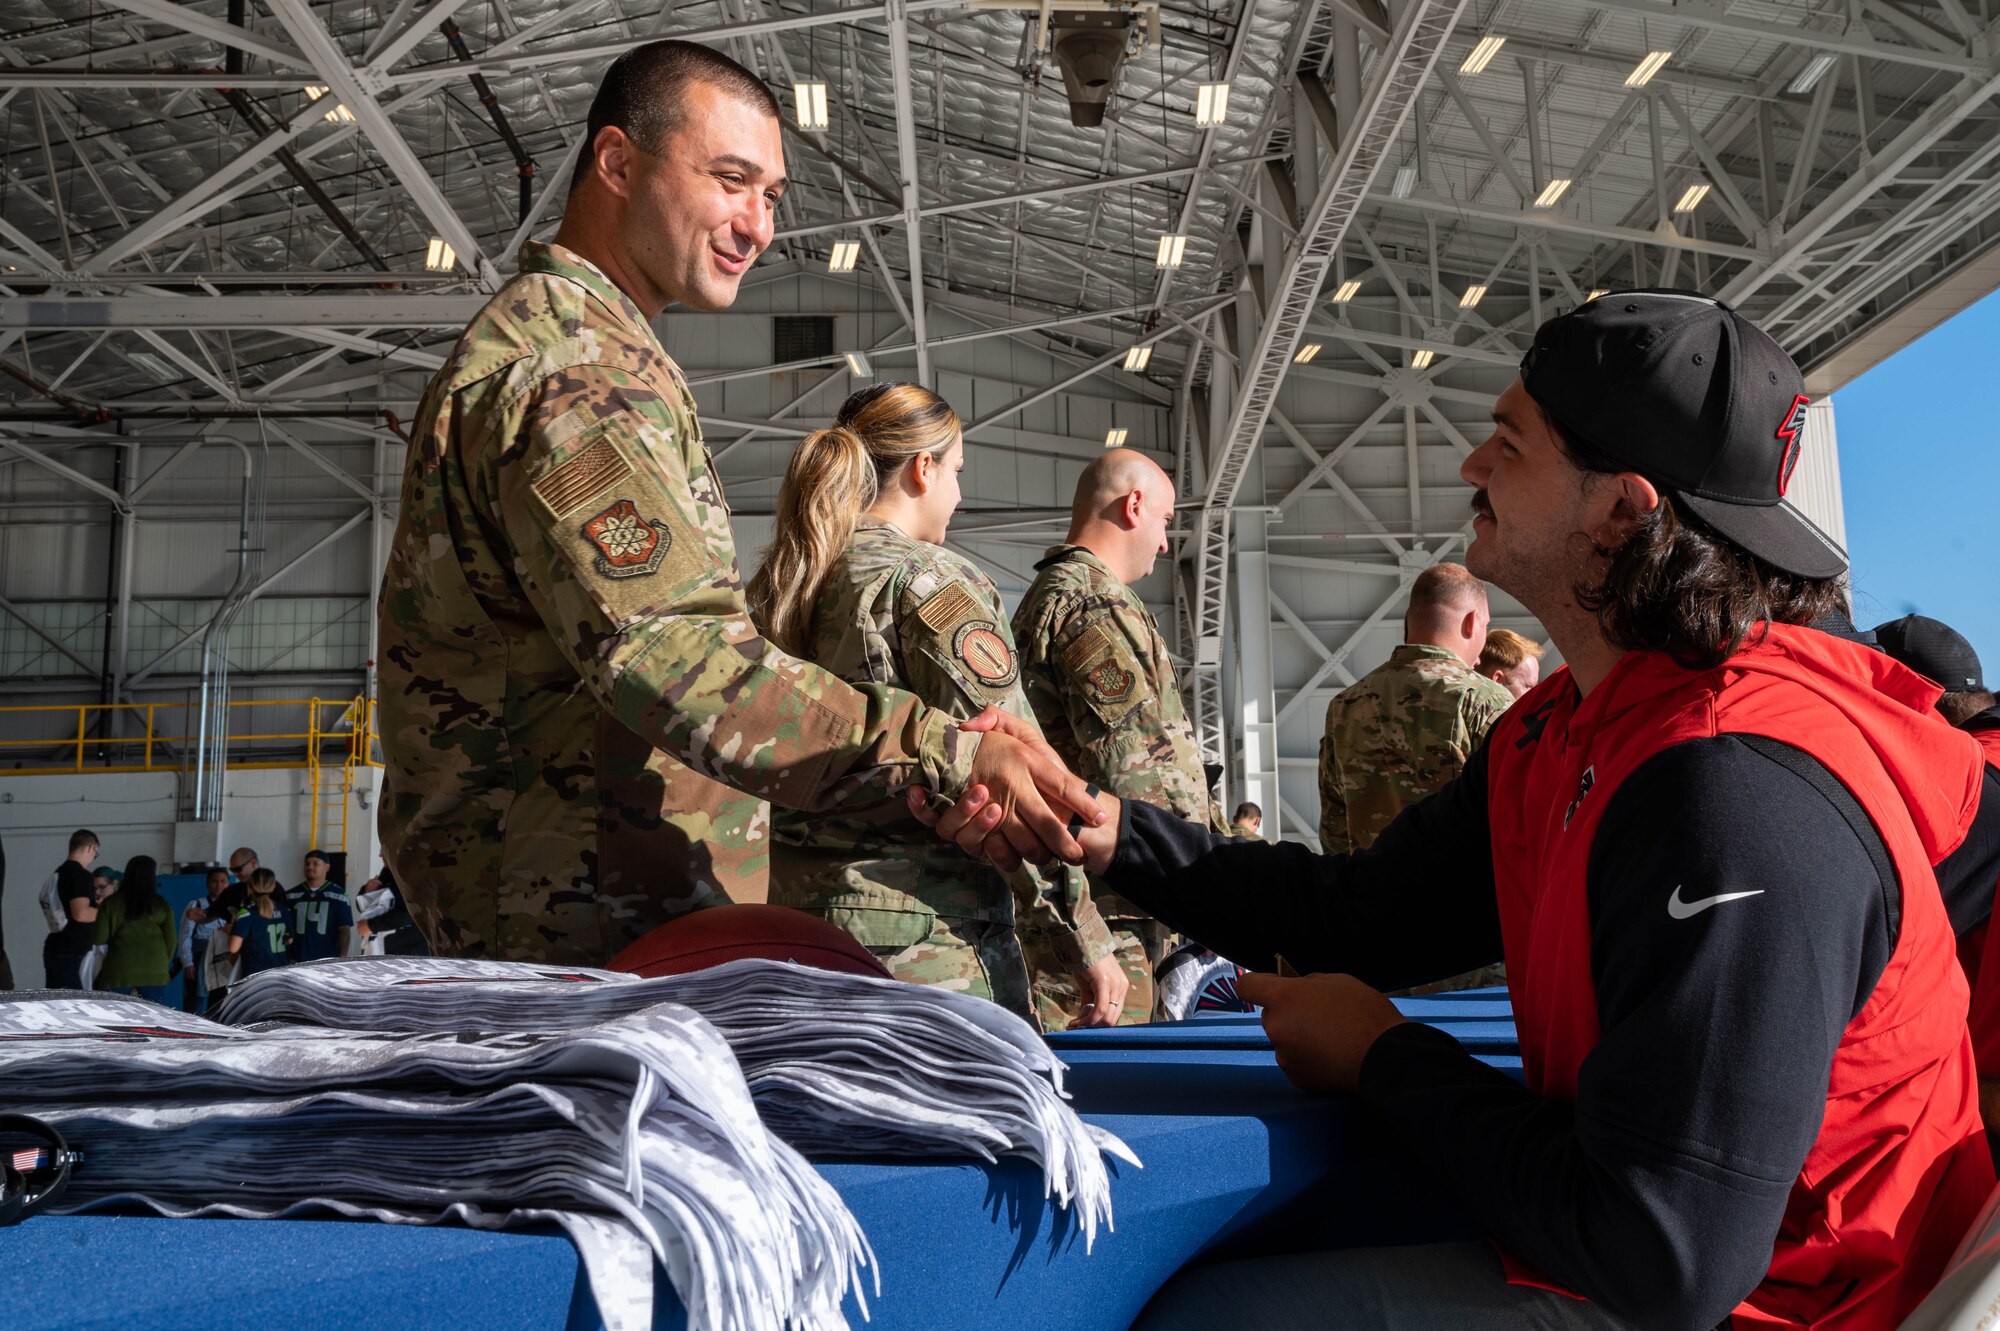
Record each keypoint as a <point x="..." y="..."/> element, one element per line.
<point x="1900" y="1167"/>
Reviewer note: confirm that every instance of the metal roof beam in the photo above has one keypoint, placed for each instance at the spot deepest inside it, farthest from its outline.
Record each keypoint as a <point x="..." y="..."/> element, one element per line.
<point x="1095" y="367"/>
<point x="33" y="77"/>
<point x="1091" y="186"/>
<point x="358" y="95"/>
<point x="215" y="30"/>
<point x="1716" y="17"/>
<point x="389" y="310"/>
<point x="510" y="63"/>
<point x="1937" y="120"/>
<point x="1559" y="224"/>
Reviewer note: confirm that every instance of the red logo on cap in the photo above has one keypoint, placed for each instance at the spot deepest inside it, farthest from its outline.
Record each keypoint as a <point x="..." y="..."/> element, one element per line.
<point x="1788" y="431"/>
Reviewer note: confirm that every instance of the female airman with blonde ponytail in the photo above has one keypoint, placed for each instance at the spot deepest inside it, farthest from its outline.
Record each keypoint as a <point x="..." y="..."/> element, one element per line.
<point x="857" y="580"/>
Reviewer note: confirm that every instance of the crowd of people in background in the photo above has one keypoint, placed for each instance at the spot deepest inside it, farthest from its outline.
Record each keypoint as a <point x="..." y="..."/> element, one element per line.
<point x="113" y="930"/>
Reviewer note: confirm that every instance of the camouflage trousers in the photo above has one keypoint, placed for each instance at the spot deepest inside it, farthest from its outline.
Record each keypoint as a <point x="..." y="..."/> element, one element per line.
<point x="1140" y="946"/>
<point x="979" y="957"/>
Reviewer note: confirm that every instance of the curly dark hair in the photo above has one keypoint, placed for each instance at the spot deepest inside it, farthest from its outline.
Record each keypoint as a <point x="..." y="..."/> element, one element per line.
<point x="1679" y="586"/>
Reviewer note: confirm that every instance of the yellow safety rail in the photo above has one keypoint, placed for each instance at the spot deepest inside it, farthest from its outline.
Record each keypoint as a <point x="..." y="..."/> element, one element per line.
<point x="161" y="746"/>
<point x="159" y="743"/>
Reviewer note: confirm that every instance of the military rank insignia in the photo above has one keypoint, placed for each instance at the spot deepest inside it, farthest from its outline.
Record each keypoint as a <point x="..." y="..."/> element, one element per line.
<point x="629" y="545"/>
<point x="980" y="648"/>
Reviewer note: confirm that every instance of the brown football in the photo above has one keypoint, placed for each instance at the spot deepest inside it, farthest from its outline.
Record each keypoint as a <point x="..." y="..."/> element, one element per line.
<point x="705" y="938"/>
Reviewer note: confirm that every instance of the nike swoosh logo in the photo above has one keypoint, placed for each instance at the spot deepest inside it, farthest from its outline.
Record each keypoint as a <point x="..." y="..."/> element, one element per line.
<point x="1682" y="910"/>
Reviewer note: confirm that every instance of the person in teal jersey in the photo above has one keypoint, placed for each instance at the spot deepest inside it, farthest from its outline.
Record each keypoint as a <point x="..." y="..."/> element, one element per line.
<point x="319" y="913"/>
<point x="259" y="935"/>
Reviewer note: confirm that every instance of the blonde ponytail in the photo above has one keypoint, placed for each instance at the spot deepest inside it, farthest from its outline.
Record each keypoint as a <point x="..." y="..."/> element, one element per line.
<point x="831" y="480"/>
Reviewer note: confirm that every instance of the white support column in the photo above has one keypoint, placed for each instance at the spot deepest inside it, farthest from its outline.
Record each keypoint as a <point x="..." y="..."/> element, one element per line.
<point x="906" y="160"/>
<point x="1256" y="691"/>
<point x="1815" y="488"/>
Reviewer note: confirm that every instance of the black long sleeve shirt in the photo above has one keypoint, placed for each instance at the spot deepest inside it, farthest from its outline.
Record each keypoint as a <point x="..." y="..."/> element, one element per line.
<point x="1659" y="1191"/>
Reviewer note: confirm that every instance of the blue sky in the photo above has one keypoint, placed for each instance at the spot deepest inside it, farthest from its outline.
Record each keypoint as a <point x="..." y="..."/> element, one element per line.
<point x="1920" y="476"/>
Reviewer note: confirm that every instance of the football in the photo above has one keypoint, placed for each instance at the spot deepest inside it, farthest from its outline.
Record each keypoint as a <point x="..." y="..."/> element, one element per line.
<point x="705" y="938"/>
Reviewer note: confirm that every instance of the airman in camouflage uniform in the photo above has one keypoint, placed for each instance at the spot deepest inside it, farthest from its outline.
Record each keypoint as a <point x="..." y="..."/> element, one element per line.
<point x="565" y="644"/>
<point x="899" y="611"/>
<point x="1097" y="674"/>
<point x="1398" y="733"/>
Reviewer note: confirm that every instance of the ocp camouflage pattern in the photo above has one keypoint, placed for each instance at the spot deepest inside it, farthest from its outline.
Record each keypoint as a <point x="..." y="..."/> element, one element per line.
<point x="565" y="648"/>
<point x="901" y="612"/>
<point x="1101" y="682"/>
<point x="1395" y="735"/>
<point x="1096" y="671"/>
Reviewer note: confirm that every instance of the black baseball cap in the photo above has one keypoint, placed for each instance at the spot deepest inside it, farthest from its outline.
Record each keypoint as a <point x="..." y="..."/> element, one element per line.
<point x="1697" y="399"/>
<point x="1932" y="649"/>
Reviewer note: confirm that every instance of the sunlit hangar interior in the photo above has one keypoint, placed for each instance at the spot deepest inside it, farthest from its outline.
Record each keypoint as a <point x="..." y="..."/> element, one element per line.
<point x="1290" y="248"/>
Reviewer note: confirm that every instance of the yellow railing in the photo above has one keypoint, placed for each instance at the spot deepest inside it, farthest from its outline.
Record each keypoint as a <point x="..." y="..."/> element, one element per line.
<point x="348" y="722"/>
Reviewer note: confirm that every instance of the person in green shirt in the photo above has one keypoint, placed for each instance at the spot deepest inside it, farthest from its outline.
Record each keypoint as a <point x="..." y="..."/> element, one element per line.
<point x="137" y="929"/>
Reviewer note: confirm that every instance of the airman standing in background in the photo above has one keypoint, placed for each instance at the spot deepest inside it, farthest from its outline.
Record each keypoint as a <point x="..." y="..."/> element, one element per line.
<point x="1097" y="673"/>
<point x="1406" y="727"/>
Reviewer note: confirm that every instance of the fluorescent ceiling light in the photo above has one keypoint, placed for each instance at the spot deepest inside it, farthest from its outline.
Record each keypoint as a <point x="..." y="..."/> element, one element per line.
<point x="1211" y="104"/>
<point x="340" y="115"/>
<point x="1406" y="180"/>
<point x="439" y="257"/>
<point x="1654" y="62"/>
<point x="1422" y="360"/>
<point x="1473" y="295"/>
<point x="1306" y="353"/>
<point x="1814" y="71"/>
<point x="1348" y="291"/>
<point x="1172" y="249"/>
<point x="1691" y="198"/>
<point x="1482" y="55"/>
<point x="149" y="361"/>
<point x="1115" y="436"/>
<point x="858" y="366"/>
<point x="1595" y="292"/>
<point x="315" y="91"/>
<point x="809" y="98"/>
<point x="1551" y="192"/>
<point x="846" y="253"/>
<point x="1136" y="358"/>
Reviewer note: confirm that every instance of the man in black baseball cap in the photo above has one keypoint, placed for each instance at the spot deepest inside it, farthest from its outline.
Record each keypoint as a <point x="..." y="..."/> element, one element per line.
<point x="1697" y="848"/>
<point x="1698" y="400"/>
<point x="1938" y="651"/>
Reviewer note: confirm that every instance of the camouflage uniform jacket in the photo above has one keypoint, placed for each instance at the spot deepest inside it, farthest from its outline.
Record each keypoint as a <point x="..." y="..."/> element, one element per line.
<point x="1097" y="673"/>
<point x="561" y="600"/>
<point x="1395" y="735"/>
<point x="907" y="613"/>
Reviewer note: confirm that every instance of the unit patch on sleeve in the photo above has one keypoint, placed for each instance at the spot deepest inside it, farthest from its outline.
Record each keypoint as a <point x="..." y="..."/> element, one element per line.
<point x="590" y="473"/>
<point x="1111" y="682"/>
<point x="629" y="545"/>
<point x="980" y="648"/>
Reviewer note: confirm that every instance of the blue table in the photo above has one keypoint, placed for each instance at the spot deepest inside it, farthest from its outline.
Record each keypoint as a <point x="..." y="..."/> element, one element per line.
<point x="1236" y="1161"/>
